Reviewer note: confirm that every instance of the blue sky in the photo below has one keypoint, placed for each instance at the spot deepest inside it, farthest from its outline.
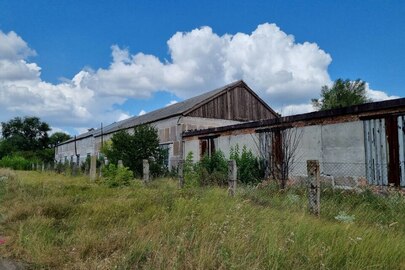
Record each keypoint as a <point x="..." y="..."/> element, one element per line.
<point x="354" y="39"/>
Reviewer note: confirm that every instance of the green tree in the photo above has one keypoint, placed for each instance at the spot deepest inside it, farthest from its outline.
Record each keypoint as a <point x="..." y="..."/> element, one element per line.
<point x="343" y="93"/>
<point x="26" y="137"/>
<point x="133" y="148"/>
<point x="58" y="137"/>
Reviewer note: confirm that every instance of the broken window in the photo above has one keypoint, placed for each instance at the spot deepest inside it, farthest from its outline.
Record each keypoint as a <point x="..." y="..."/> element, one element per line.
<point x="207" y="145"/>
<point x="166" y="150"/>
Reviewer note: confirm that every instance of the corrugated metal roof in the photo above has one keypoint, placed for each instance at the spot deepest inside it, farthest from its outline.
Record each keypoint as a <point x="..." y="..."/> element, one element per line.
<point x="169" y="111"/>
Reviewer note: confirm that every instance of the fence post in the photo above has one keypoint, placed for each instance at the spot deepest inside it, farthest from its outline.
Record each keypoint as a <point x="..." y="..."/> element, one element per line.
<point x="232" y="177"/>
<point x="314" y="185"/>
<point x="93" y="168"/>
<point x="74" y="169"/>
<point x="33" y="166"/>
<point x="43" y="167"/>
<point x="145" y="171"/>
<point x="120" y="164"/>
<point x="180" y="172"/>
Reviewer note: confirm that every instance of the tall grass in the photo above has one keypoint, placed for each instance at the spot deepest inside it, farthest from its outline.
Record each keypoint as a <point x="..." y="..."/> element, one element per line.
<point x="52" y="221"/>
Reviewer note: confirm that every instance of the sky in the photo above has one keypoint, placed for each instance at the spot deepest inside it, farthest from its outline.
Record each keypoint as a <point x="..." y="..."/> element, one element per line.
<point x="76" y="64"/>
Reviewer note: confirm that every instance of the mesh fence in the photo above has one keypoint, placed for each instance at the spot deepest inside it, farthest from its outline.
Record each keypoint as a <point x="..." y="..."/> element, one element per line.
<point x="333" y="173"/>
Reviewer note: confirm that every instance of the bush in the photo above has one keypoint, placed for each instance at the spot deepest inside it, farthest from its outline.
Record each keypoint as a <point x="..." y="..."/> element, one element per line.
<point x="15" y="163"/>
<point x="189" y="172"/>
<point x="213" y="170"/>
<point x="249" y="169"/>
<point x="114" y="176"/>
<point x="133" y="148"/>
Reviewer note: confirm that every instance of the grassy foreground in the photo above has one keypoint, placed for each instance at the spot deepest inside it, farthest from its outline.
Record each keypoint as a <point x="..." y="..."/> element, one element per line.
<point x="52" y="221"/>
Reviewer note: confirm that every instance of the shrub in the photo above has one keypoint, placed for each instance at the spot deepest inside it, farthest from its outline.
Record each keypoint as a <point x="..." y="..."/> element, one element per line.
<point x="249" y="169"/>
<point x="114" y="176"/>
<point x="189" y="172"/>
<point x="212" y="170"/>
<point x="133" y="148"/>
<point x="15" y="163"/>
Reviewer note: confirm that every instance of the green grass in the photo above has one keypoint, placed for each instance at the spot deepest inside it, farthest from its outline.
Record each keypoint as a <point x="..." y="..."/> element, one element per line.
<point x="56" y="222"/>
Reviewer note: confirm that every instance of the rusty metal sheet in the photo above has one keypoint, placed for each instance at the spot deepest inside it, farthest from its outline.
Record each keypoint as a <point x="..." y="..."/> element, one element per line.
<point x="376" y="151"/>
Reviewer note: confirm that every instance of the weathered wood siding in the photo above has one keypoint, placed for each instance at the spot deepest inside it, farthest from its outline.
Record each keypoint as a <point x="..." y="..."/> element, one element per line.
<point x="236" y="104"/>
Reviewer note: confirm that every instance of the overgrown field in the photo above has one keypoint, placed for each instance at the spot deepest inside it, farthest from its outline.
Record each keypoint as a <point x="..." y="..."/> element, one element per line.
<point x="56" y="222"/>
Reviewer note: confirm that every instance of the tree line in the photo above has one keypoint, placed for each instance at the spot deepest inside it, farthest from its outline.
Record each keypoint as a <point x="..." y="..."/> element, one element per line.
<point x="28" y="138"/>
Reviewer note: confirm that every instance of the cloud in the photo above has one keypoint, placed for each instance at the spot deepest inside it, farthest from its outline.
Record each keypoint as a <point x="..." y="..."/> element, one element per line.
<point x="268" y="59"/>
<point x="283" y="72"/>
<point x="56" y="129"/>
<point x="296" y="109"/>
<point x="377" y="95"/>
<point x="23" y="92"/>
<point x="123" y="116"/>
<point x="13" y="47"/>
<point x="171" y="103"/>
<point x="142" y="112"/>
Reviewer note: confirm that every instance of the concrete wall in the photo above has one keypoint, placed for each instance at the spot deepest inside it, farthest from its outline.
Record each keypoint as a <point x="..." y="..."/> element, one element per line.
<point x="66" y="151"/>
<point x="338" y="147"/>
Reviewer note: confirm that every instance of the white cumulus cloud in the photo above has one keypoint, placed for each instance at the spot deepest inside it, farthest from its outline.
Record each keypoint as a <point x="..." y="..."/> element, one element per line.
<point x="283" y="72"/>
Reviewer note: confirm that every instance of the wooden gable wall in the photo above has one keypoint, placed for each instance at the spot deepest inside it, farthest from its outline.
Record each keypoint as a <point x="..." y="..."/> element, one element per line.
<point x="237" y="104"/>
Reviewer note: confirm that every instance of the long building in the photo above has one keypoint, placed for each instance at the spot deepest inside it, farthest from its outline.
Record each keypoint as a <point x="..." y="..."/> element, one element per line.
<point x="228" y="105"/>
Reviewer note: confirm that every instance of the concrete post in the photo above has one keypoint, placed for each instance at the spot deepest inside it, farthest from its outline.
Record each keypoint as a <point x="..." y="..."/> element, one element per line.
<point x="232" y="177"/>
<point x="74" y="169"/>
<point x="43" y="167"/>
<point x="314" y="185"/>
<point x="93" y="168"/>
<point x="145" y="171"/>
<point x="33" y="166"/>
<point x="120" y="164"/>
<point x="100" y="174"/>
<point x="180" y="171"/>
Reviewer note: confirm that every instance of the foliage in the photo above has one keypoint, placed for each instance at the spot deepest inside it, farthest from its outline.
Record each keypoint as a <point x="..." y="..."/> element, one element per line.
<point x="343" y="93"/>
<point x="114" y="176"/>
<point x="15" y="163"/>
<point x="28" y="137"/>
<point x="133" y="148"/>
<point x="27" y="134"/>
<point x="249" y="169"/>
<point x="189" y="172"/>
<point x="213" y="170"/>
<point x="58" y="137"/>
<point x="51" y="221"/>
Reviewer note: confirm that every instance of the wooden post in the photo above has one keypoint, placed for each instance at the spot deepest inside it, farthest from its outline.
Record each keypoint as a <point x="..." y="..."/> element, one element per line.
<point x="314" y="185"/>
<point x="232" y="177"/>
<point x="180" y="172"/>
<point x="120" y="164"/>
<point x="145" y="171"/>
<point x="93" y="168"/>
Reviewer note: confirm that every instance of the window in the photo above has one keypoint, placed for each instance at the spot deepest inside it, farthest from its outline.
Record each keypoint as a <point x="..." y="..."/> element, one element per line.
<point x="166" y="149"/>
<point x="207" y="145"/>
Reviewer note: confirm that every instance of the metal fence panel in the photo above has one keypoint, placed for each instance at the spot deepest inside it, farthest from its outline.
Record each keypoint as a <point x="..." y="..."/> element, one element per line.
<point x="376" y="151"/>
